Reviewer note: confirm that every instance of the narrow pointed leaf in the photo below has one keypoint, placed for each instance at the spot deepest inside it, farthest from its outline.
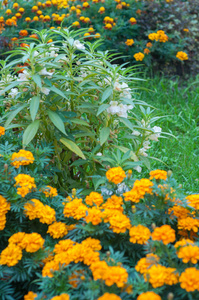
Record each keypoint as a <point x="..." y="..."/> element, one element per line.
<point x="104" y="134"/>
<point x="30" y="132"/>
<point x="13" y="114"/>
<point x="102" y="108"/>
<point x="73" y="147"/>
<point x="34" y="105"/>
<point x="106" y="94"/>
<point x="37" y="79"/>
<point x="57" y="121"/>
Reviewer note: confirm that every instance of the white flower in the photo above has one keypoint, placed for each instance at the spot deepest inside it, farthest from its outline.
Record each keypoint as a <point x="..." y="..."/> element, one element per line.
<point x="122" y="188"/>
<point x="114" y="108"/>
<point x="157" y="131"/>
<point x="45" y="90"/>
<point x="143" y="150"/>
<point x="138" y="169"/>
<point x="78" y="45"/>
<point x="136" y="133"/>
<point x="99" y="154"/>
<point x="105" y="191"/>
<point x="13" y="93"/>
<point x="24" y="76"/>
<point x="45" y="72"/>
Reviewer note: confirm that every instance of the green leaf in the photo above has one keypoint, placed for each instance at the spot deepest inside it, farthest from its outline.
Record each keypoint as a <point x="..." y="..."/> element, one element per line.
<point x="10" y="86"/>
<point x="57" y="121"/>
<point x="106" y="94"/>
<point x="97" y="181"/>
<point x="102" y="108"/>
<point x="12" y="114"/>
<point x="73" y="147"/>
<point x="34" y="105"/>
<point x="57" y="91"/>
<point x="80" y="122"/>
<point x="30" y="132"/>
<point x="104" y="134"/>
<point x="124" y="149"/>
<point x="127" y="123"/>
<point x="37" y="79"/>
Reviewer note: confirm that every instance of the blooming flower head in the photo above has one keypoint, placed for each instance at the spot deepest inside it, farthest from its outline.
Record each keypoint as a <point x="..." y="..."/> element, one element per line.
<point x="57" y="230"/>
<point x="193" y="200"/>
<point x="189" y="253"/>
<point x="2" y="130"/>
<point x="94" y="198"/>
<point x="139" y="234"/>
<point x="189" y="280"/>
<point x="153" y="36"/>
<point x="158" y="174"/>
<point x="115" y="175"/>
<point x="26" y="183"/>
<point x="108" y="296"/>
<point x="22" y="158"/>
<point x="11" y="255"/>
<point x="133" y="21"/>
<point x="160" y="275"/>
<point x="75" y="209"/>
<point x="139" y="56"/>
<point x="188" y="224"/>
<point x="119" y="222"/>
<point x="145" y="263"/>
<point x="149" y="296"/>
<point x="61" y="297"/>
<point x="164" y="233"/>
<point x="32" y="242"/>
<point x="94" y="215"/>
<point x="49" y="191"/>
<point x="129" y="42"/>
<point x="30" y="296"/>
<point x="182" y="55"/>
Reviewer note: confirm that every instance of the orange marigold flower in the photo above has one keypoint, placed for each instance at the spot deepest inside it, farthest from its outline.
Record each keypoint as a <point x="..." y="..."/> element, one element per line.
<point x="64" y="246"/>
<point x="164" y="233"/>
<point x="2" y="130"/>
<point x="94" y="215"/>
<point x="158" y="174"/>
<point x="91" y="243"/>
<point x="149" y="45"/>
<point x="94" y="198"/>
<point x="153" y="36"/>
<point x="75" y="209"/>
<point x="26" y="183"/>
<point x="189" y="253"/>
<point x="179" y="211"/>
<point x="161" y="36"/>
<point x="139" y="56"/>
<point x="149" y="296"/>
<point x="11" y="22"/>
<point x="114" y="203"/>
<point x="186" y="29"/>
<point x="22" y="158"/>
<point x="146" y="51"/>
<point x="57" y="230"/>
<point x="188" y="224"/>
<point x="117" y="275"/>
<point x="49" y="191"/>
<point x="189" y="280"/>
<point x="108" y="296"/>
<point x="32" y="242"/>
<point x="115" y="175"/>
<point x="129" y="42"/>
<point x="160" y="275"/>
<point x="61" y="297"/>
<point x="30" y="296"/>
<point x="23" y="32"/>
<point x="119" y="222"/>
<point x="145" y="263"/>
<point x="47" y="215"/>
<point x="11" y="255"/>
<point x="182" y="55"/>
<point x="139" y="234"/>
<point x="17" y="239"/>
<point x="193" y="200"/>
<point x="33" y="209"/>
<point x="49" y="267"/>
<point x="183" y="242"/>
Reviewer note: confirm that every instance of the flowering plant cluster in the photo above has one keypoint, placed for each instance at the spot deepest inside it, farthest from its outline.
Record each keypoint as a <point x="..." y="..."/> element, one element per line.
<point x="129" y="26"/>
<point x="130" y="239"/>
<point x="68" y="93"/>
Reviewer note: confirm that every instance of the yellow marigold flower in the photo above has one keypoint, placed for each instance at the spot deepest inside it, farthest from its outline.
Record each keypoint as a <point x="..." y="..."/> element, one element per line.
<point x="57" y="230"/>
<point x="133" y="21"/>
<point x="11" y="255"/>
<point x="138" y="56"/>
<point x="139" y="234"/>
<point x="32" y="242"/>
<point x="82" y="18"/>
<point x="132" y="195"/>
<point x="108" y="26"/>
<point x="129" y="42"/>
<point x="140" y="188"/>
<point x="101" y="10"/>
<point x="188" y="224"/>
<point x="2" y="130"/>
<point x="153" y="36"/>
<point x="91" y="243"/>
<point x="35" y="19"/>
<point x="182" y="55"/>
<point x="76" y="24"/>
<point x="94" y="215"/>
<point x="189" y="280"/>
<point x="94" y="198"/>
<point x="186" y="29"/>
<point x="17" y="239"/>
<point x="15" y="5"/>
<point x="64" y="246"/>
<point x="189" y="253"/>
<point x="23" y="32"/>
<point x="99" y="269"/>
<point x="2" y="222"/>
<point x="61" y="297"/>
<point x="90" y="256"/>
<point x="75" y="209"/>
<point x="49" y="191"/>
<point x="149" y="45"/>
<point x="114" y="203"/>
<point x="50" y="267"/>
<point x="158" y="174"/>
<point x="117" y="275"/>
<point x="164" y="233"/>
<point x="149" y="296"/>
<point x="33" y="209"/>
<point x="193" y="200"/>
<point x="115" y="175"/>
<point x="22" y="158"/>
<point x="21" y="10"/>
<point x="108" y="296"/>
<point x="161" y="36"/>
<point x="8" y="12"/>
<point x="145" y="263"/>
<point x="35" y="8"/>
<point x="146" y="51"/>
<point x="160" y="275"/>
<point x="183" y="242"/>
<point x="28" y="19"/>
<point x="85" y="5"/>
<point x="30" y="296"/>
<point x="4" y="206"/>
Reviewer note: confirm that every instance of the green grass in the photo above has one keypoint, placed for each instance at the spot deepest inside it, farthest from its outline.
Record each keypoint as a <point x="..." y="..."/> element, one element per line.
<point x="180" y="101"/>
